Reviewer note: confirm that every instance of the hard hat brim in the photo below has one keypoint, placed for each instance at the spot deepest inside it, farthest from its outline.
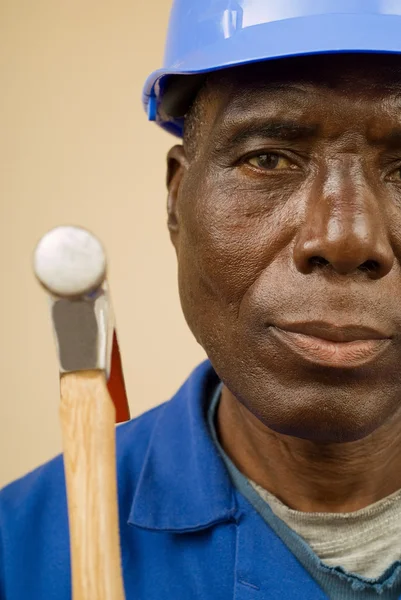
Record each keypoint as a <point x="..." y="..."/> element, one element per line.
<point x="317" y="34"/>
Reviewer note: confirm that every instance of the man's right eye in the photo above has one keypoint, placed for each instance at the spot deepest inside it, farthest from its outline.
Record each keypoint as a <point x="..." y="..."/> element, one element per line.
<point x="395" y="175"/>
<point x="271" y="161"/>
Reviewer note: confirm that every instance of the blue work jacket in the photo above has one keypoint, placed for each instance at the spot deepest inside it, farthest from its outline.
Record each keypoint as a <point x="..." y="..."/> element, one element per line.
<point x="186" y="532"/>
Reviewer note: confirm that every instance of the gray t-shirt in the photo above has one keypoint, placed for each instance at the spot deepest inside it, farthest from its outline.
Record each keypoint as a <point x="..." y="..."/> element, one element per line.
<point x="366" y="542"/>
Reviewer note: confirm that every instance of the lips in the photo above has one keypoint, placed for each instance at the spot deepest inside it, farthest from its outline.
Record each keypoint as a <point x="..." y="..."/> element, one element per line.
<point x="332" y="346"/>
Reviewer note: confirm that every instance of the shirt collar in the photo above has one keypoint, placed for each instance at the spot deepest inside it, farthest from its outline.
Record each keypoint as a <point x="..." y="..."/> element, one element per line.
<point x="183" y="484"/>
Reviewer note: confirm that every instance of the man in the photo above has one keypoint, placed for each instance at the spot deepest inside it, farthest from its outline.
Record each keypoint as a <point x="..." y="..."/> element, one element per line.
<point x="275" y="472"/>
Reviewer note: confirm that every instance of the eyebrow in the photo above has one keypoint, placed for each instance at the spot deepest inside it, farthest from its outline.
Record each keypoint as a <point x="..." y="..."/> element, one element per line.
<point x="277" y="130"/>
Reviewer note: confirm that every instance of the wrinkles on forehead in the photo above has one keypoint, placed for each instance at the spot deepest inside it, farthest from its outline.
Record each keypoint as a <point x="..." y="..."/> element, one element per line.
<point x="289" y="86"/>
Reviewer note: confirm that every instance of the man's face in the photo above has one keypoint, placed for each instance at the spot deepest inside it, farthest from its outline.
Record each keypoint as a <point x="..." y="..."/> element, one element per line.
<point x="286" y="220"/>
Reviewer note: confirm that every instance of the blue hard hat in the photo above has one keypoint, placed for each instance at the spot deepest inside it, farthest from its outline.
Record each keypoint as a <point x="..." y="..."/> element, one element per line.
<point x="207" y="35"/>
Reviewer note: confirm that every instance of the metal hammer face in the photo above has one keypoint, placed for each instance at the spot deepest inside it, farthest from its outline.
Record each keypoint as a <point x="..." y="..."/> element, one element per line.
<point x="70" y="263"/>
<point x="84" y="332"/>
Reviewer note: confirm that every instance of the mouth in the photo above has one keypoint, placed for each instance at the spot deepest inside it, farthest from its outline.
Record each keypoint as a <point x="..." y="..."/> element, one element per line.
<point x="320" y="343"/>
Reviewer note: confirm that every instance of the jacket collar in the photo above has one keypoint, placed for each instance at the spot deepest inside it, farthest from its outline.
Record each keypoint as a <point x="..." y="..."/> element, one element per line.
<point x="184" y="485"/>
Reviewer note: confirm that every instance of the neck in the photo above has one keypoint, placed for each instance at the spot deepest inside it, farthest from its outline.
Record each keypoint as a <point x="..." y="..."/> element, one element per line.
<point x="309" y="476"/>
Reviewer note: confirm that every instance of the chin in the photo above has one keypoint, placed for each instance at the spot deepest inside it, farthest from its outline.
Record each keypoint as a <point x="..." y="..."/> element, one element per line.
<point x="319" y="411"/>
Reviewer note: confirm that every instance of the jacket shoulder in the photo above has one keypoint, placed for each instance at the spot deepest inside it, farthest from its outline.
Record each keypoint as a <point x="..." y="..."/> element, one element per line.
<point x="37" y="486"/>
<point x="34" y="508"/>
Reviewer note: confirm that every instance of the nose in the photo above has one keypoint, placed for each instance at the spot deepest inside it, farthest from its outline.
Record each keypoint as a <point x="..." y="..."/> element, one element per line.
<point x="344" y="228"/>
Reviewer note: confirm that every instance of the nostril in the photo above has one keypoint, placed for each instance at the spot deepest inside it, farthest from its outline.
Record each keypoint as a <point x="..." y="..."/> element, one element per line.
<point x="318" y="261"/>
<point x="369" y="266"/>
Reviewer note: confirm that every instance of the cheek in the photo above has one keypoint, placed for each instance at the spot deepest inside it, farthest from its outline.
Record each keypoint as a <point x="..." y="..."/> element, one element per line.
<point x="229" y="234"/>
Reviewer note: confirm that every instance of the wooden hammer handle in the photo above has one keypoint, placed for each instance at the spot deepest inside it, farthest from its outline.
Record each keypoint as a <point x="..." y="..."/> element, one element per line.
<point x="87" y="417"/>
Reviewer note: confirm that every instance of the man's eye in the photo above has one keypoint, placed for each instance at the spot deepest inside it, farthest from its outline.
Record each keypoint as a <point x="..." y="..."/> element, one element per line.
<point x="395" y="175"/>
<point x="271" y="162"/>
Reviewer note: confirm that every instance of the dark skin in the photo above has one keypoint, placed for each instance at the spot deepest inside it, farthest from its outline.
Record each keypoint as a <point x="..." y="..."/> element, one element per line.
<point x="285" y="207"/>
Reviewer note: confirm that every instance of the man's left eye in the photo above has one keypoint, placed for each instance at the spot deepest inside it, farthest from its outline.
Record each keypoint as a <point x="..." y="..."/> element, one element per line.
<point x="271" y="162"/>
<point x="395" y="175"/>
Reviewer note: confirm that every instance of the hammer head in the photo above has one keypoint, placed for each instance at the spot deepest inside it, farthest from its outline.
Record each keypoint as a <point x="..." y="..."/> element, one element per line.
<point x="70" y="264"/>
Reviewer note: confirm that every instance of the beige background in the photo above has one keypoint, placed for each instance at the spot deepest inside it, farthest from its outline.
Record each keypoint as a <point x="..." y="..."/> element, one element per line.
<point x="76" y="147"/>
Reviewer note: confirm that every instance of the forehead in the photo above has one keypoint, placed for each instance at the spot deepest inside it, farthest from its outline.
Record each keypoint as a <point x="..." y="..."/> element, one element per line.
<point x="307" y="83"/>
<point x="323" y="67"/>
<point x="336" y="71"/>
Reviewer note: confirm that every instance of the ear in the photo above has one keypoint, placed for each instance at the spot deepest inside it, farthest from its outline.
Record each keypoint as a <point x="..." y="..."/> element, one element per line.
<point x="177" y="165"/>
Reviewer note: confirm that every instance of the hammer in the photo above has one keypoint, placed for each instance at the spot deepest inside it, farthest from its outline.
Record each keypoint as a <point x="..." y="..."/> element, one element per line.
<point x="70" y="264"/>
